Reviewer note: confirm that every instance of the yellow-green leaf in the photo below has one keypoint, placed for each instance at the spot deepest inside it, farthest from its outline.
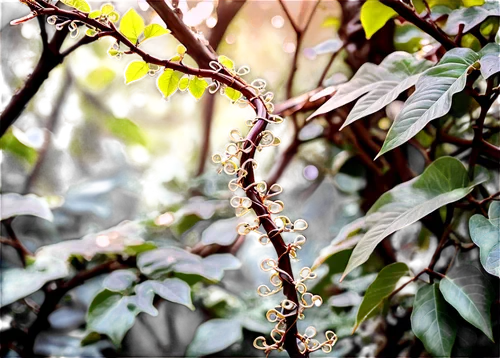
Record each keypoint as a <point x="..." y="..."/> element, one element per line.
<point x="90" y="32"/>
<point x="154" y="30"/>
<point x="226" y="62"/>
<point x="168" y="82"/>
<point x="197" y="87"/>
<point x="135" y="71"/>
<point x="113" y="16"/>
<point x="469" y="3"/>
<point x="374" y="15"/>
<point x="232" y="94"/>
<point x="132" y="25"/>
<point x="81" y="5"/>
<point x="94" y="14"/>
<point x="184" y="83"/>
<point x="181" y="49"/>
<point x="107" y="8"/>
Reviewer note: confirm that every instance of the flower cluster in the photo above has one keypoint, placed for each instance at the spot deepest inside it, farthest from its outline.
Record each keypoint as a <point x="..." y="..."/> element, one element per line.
<point x="231" y="163"/>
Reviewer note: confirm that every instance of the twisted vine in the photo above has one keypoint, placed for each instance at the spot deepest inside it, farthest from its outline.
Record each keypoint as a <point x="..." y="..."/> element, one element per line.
<point x="239" y="161"/>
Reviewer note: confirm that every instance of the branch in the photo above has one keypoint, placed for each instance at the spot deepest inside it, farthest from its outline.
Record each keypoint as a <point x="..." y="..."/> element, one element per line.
<point x="14" y="241"/>
<point x="50" y="58"/>
<point x="289" y="17"/>
<point x="411" y="16"/>
<point x="197" y="50"/>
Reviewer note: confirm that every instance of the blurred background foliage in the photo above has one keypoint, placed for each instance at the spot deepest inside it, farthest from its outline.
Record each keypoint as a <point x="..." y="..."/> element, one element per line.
<point x="101" y="153"/>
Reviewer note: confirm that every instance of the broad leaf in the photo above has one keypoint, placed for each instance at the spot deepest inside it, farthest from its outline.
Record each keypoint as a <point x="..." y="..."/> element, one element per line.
<point x="113" y="314"/>
<point x="168" y="82"/>
<point x="214" y="336"/>
<point x="171" y="289"/>
<point x="348" y="236"/>
<point x="490" y="64"/>
<point x="470" y="17"/>
<point x="156" y="263"/>
<point x="222" y="232"/>
<point x="197" y="87"/>
<point x="120" y="280"/>
<point x="154" y="30"/>
<point x="433" y="96"/>
<point x="432" y="321"/>
<point x="135" y="71"/>
<point x="10" y="142"/>
<point x="469" y="292"/>
<point x="485" y="233"/>
<point x="384" y="92"/>
<point x="18" y="283"/>
<point x="215" y="265"/>
<point x="132" y="25"/>
<point x="394" y="69"/>
<point x="444" y="181"/>
<point x="255" y="320"/>
<point x="374" y="15"/>
<point x="379" y="290"/>
<point x="126" y="130"/>
<point x="14" y="204"/>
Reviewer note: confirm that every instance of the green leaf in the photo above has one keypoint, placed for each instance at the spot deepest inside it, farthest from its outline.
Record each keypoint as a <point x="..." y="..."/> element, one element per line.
<point x="379" y="290"/>
<point x="408" y="38"/>
<point x="168" y="82"/>
<point x="432" y="321"/>
<point x="221" y="232"/>
<point x="386" y="92"/>
<point x="113" y="314"/>
<point x="214" y="336"/>
<point x="469" y="292"/>
<point x="135" y="71"/>
<point x="184" y="83"/>
<point x="81" y="5"/>
<point x="226" y="62"/>
<point x="18" y="283"/>
<point x="232" y="94"/>
<point x="348" y="236"/>
<point x="126" y="130"/>
<point x="132" y="25"/>
<point x="157" y="263"/>
<point x="154" y="30"/>
<point x="197" y="87"/>
<point x="119" y="280"/>
<point x="470" y="17"/>
<point x="444" y="181"/>
<point x="433" y="96"/>
<point x="10" y="143"/>
<point x="391" y="77"/>
<point x="173" y="290"/>
<point x="215" y="265"/>
<point x="100" y="78"/>
<point x="485" y="233"/>
<point x="490" y="61"/>
<point x="255" y="320"/>
<point x="374" y="15"/>
<point x="14" y="204"/>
